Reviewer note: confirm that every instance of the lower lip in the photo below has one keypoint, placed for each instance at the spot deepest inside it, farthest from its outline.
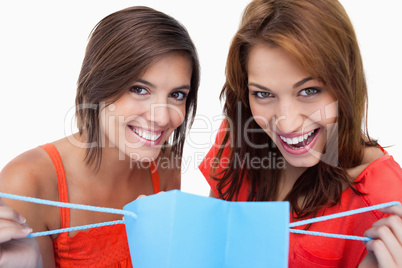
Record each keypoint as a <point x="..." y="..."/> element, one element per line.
<point x="148" y="142"/>
<point x="302" y="150"/>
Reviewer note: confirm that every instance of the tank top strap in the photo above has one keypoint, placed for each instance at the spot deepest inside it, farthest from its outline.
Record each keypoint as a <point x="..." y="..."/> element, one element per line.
<point x="155" y="177"/>
<point x="382" y="149"/>
<point x="61" y="180"/>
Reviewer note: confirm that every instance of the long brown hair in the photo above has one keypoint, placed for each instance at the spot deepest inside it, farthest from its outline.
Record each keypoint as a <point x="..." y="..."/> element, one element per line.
<point x="121" y="48"/>
<point x="320" y="36"/>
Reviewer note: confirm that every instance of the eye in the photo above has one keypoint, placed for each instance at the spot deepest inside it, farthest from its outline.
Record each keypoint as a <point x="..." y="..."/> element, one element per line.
<point x="178" y="95"/>
<point x="308" y="91"/>
<point x="139" y="90"/>
<point x="262" y="94"/>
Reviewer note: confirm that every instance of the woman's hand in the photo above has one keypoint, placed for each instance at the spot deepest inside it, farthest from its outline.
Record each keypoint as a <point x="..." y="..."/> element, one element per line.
<point x="15" y="249"/>
<point x="385" y="250"/>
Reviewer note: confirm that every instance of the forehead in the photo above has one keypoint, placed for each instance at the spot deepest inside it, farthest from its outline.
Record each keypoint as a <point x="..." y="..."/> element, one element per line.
<point x="172" y="70"/>
<point x="267" y="62"/>
<point x="170" y="59"/>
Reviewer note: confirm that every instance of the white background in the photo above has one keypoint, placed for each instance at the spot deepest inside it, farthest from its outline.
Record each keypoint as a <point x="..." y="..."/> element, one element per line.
<point x="43" y="43"/>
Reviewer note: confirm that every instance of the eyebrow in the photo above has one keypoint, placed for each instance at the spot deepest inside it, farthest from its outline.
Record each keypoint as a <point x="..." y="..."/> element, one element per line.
<point x="152" y="85"/>
<point x="258" y="86"/>
<point x="301" y="82"/>
<point x="298" y="84"/>
<point x="146" y="82"/>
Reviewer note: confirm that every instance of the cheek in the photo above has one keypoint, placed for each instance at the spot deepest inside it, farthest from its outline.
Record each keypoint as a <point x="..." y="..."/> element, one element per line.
<point x="105" y="122"/>
<point x="323" y="114"/>
<point x="331" y="112"/>
<point x="177" y="115"/>
<point x="253" y="107"/>
<point x="329" y="109"/>
<point x="261" y="115"/>
<point x="108" y="127"/>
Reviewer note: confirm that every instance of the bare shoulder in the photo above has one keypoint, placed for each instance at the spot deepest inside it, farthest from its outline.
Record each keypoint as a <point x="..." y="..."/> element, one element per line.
<point x="370" y="154"/>
<point x="33" y="174"/>
<point x="28" y="173"/>
<point x="169" y="168"/>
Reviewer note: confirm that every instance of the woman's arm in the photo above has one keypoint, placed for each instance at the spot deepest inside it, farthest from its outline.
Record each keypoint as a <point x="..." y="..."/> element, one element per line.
<point x="15" y="249"/>
<point x="29" y="175"/>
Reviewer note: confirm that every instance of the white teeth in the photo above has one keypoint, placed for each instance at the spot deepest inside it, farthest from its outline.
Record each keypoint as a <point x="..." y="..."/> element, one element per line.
<point x="151" y="136"/>
<point x="296" y="140"/>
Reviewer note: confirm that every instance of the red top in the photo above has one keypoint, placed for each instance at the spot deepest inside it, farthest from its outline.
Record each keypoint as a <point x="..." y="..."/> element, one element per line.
<point x="98" y="247"/>
<point x="381" y="180"/>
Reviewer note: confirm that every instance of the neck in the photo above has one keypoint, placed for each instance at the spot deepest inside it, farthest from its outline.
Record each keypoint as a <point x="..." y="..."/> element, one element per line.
<point x="289" y="176"/>
<point x="114" y="165"/>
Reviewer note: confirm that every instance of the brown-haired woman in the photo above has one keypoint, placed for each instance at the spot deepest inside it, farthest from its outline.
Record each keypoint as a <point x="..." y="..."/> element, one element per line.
<point x="137" y="87"/>
<point x="295" y="102"/>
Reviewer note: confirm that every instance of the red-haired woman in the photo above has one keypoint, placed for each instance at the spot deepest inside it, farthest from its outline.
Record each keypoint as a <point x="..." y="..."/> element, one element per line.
<point x="295" y="103"/>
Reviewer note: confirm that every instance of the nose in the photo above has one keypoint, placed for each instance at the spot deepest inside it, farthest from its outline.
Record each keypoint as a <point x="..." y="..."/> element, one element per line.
<point x="288" y="118"/>
<point x="159" y="114"/>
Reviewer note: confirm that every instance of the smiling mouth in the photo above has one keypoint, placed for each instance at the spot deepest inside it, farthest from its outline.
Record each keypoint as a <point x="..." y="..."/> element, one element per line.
<point x="145" y="134"/>
<point x="301" y="141"/>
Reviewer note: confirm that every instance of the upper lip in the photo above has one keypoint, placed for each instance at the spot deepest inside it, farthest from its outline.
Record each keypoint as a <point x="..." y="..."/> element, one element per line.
<point x="293" y="135"/>
<point x="154" y="131"/>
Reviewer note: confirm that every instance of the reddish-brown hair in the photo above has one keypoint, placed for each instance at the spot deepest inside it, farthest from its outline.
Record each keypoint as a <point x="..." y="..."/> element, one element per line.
<point x="320" y="36"/>
<point x="121" y="48"/>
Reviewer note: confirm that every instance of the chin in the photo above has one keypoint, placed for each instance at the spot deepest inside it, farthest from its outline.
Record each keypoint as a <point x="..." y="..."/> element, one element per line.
<point x="303" y="164"/>
<point x="144" y="155"/>
<point x="301" y="161"/>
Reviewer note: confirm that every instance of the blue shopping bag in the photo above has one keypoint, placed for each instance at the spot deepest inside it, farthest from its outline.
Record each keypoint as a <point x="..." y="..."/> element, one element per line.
<point x="181" y="230"/>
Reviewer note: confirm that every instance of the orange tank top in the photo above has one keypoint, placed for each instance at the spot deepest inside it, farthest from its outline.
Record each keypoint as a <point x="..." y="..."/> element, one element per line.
<point x="98" y="247"/>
